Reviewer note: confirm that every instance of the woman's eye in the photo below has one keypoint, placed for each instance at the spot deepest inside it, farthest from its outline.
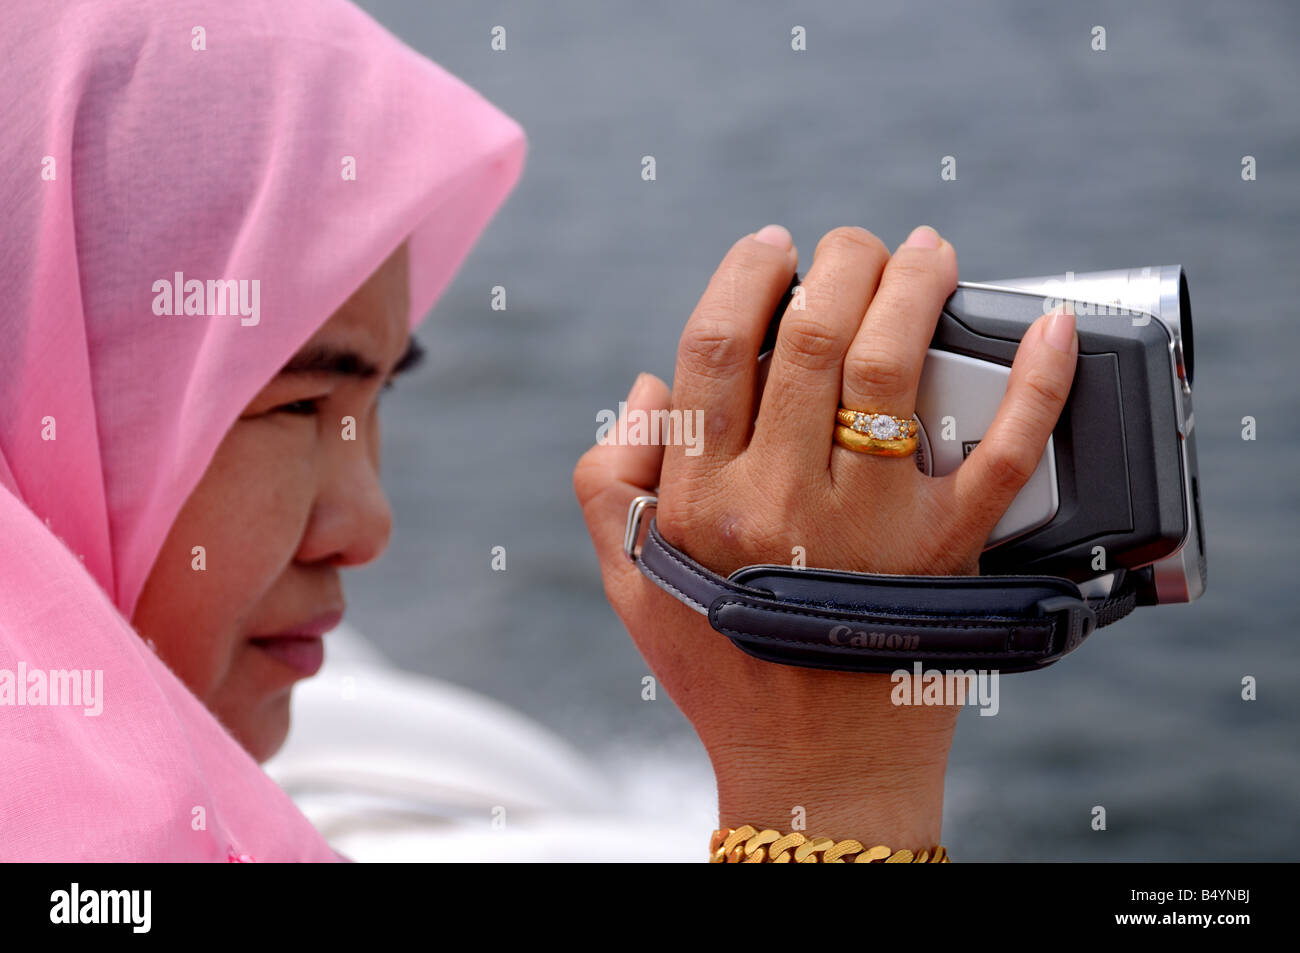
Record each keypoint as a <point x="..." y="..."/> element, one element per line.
<point x="303" y="407"/>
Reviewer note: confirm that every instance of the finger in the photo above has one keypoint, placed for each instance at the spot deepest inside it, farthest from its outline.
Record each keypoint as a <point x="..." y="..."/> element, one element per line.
<point x="882" y="369"/>
<point x="1001" y="464"/>
<point x="718" y="351"/>
<point x="610" y="475"/>
<point x="797" y="415"/>
<point x="883" y="366"/>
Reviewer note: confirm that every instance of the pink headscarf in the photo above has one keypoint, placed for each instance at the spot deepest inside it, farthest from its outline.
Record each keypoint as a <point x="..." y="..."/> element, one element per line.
<point x="145" y="138"/>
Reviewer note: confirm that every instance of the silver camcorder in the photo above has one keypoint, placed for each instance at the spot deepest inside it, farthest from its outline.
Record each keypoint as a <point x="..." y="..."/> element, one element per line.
<point x="1116" y="491"/>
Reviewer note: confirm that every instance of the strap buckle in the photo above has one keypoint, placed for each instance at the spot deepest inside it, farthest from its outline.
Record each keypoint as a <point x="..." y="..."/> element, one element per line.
<point x="1082" y="618"/>
<point x="633" y="532"/>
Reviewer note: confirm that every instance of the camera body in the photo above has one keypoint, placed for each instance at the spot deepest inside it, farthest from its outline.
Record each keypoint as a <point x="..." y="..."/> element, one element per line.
<point x="1117" y="486"/>
<point x="1116" y="491"/>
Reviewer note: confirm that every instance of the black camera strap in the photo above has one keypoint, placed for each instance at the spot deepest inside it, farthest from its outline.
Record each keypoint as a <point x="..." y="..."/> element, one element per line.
<point x="868" y="622"/>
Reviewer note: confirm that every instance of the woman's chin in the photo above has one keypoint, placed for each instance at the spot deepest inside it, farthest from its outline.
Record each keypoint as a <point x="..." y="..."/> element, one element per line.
<point x="261" y="731"/>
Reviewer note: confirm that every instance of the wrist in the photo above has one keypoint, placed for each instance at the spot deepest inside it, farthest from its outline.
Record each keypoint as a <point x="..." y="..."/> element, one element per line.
<point x="899" y="807"/>
<point x="857" y="768"/>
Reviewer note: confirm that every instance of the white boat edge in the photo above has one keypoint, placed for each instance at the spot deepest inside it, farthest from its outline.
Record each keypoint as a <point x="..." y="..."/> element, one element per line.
<point x="396" y="767"/>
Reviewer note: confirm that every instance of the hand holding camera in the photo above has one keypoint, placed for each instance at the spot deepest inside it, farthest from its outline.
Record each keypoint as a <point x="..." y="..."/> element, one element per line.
<point x="773" y="485"/>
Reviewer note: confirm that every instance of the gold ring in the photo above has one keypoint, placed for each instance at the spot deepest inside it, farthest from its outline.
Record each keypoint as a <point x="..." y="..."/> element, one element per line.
<point x="878" y="434"/>
<point x="865" y="443"/>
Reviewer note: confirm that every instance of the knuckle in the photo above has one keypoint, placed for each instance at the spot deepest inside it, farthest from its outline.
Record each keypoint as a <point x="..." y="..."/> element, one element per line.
<point x="809" y="345"/>
<point x="599" y="494"/>
<point x="876" y="373"/>
<point x="587" y="484"/>
<point x="710" y="348"/>
<point x="676" y="515"/>
<point x="910" y="270"/>
<point x="712" y="528"/>
<point x="748" y="259"/>
<point x="850" y="239"/>
<point x="1047" y="388"/>
<point x="937" y="264"/>
<point x="747" y="264"/>
<point x="821" y="295"/>
<point x="1010" y="470"/>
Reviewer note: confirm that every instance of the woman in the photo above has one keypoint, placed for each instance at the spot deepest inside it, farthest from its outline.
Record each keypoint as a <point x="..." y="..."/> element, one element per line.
<point x="197" y="196"/>
<point x="209" y="468"/>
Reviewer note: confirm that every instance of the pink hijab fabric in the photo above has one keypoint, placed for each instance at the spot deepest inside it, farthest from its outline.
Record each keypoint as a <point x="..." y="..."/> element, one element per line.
<point x="294" y="142"/>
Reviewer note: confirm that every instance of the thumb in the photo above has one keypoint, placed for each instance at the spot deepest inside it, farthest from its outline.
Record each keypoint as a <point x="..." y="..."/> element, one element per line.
<point x="610" y="475"/>
<point x="1002" y="463"/>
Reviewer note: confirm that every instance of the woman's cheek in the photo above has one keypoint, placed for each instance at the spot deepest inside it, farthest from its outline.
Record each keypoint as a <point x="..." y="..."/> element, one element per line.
<point x="249" y="512"/>
<point x="273" y="487"/>
<point x="234" y="537"/>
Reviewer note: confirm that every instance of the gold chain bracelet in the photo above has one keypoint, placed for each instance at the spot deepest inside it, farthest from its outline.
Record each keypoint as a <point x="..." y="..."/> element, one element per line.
<point x="748" y="845"/>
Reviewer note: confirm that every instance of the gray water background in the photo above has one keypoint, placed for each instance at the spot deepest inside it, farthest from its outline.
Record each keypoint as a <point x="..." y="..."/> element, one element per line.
<point x="1067" y="159"/>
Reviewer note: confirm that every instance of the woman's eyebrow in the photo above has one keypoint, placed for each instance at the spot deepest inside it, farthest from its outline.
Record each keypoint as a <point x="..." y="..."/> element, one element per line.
<point x="324" y="359"/>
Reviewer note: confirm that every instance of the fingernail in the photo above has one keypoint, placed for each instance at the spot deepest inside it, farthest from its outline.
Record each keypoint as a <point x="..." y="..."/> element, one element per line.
<point x="923" y="236"/>
<point x="776" y="236"/>
<point x="636" y="386"/>
<point x="1060" y="331"/>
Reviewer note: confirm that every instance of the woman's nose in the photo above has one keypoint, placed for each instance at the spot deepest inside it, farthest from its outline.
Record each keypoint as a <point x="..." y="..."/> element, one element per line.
<point x="351" y="521"/>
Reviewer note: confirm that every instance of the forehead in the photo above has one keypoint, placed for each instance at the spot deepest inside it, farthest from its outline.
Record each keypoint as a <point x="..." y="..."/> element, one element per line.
<point x="374" y="321"/>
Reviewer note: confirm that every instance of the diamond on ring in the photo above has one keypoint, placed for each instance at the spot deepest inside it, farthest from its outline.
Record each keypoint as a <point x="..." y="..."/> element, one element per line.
<point x="880" y="426"/>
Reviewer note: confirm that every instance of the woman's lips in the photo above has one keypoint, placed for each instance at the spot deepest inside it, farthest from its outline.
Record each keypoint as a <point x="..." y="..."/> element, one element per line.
<point x="304" y="653"/>
<point x="301" y="647"/>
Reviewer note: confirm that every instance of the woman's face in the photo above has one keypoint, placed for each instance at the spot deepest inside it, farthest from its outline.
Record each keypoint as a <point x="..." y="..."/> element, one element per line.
<point x="291" y="497"/>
